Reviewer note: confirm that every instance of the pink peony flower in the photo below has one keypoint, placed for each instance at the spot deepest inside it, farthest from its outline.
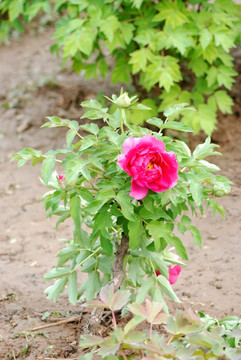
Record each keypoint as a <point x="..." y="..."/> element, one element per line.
<point x="149" y="165"/>
<point x="61" y="178"/>
<point x="174" y="271"/>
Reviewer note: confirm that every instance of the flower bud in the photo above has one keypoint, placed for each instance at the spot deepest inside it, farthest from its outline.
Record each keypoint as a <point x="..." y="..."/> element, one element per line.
<point x="220" y="193"/>
<point x="123" y="101"/>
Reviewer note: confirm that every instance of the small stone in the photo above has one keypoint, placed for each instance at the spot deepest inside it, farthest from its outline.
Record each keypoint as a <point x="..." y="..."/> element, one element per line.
<point x="218" y="286"/>
<point x="212" y="237"/>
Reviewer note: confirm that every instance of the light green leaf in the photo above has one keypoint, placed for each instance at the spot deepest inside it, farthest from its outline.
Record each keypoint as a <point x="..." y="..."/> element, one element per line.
<point x="72" y="287"/>
<point x="205" y="38"/>
<point x="197" y="239"/>
<point x="166" y="287"/>
<point x="197" y="192"/>
<point x="54" y="290"/>
<point x="180" y="248"/>
<point x="224" y="101"/>
<point x="47" y="169"/>
<point x="135" y="233"/>
<point x="126" y="206"/>
<point x="174" y="125"/>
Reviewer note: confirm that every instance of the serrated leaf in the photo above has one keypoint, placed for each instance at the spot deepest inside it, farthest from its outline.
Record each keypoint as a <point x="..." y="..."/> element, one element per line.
<point x="197" y="192"/>
<point x="121" y="298"/>
<point x="155" y="121"/>
<point x="180" y="248"/>
<point x="174" y="125"/>
<point x="135" y="233"/>
<point x="147" y="284"/>
<point x="169" y="111"/>
<point x="224" y="101"/>
<point x="54" y="290"/>
<point x="197" y="238"/>
<point x="205" y="149"/>
<point x="166" y="287"/>
<point x="47" y="169"/>
<point x="72" y="287"/>
<point x="133" y="323"/>
<point x="87" y="341"/>
<point x="126" y="206"/>
<point x="205" y="38"/>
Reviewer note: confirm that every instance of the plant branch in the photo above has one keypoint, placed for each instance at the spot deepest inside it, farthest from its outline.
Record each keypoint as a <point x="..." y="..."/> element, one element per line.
<point x="118" y="273"/>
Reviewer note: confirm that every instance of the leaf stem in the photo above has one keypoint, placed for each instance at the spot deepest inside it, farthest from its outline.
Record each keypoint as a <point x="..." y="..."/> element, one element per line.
<point x="169" y="341"/>
<point x="123" y="354"/>
<point x="114" y="318"/>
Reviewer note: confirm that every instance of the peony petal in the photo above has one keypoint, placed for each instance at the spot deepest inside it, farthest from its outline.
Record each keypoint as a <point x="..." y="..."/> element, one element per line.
<point x="129" y="144"/>
<point x="137" y="192"/>
<point x="174" y="271"/>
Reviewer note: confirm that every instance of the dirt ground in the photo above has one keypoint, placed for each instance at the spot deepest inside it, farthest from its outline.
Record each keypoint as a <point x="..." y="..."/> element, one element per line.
<point x="33" y="85"/>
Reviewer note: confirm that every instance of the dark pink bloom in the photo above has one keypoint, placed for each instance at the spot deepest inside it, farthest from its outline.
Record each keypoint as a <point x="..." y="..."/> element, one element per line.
<point x="61" y="178"/>
<point x="174" y="271"/>
<point x="149" y="165"/>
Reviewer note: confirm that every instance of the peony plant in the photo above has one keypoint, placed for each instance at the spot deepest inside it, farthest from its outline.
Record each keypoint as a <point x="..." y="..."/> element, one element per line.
<point x="129" y="191"/>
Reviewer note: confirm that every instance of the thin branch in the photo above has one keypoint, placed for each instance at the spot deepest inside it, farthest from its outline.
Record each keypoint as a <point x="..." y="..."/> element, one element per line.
<point x="61" y="322"/>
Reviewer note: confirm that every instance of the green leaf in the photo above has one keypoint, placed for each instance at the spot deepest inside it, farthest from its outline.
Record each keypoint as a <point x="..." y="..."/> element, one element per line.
<point x="171" y="13"/>
<point x="47" y="169"/>
<point x="139" y="59"/>
<point x="85" y="40"/>
<point x="72" y="287"/>
<point x="105" y="264"/>
<point x="103" y="197"/>
<point x="54" y="290"/>
<point x="159" y="230"/>
<point x="205" y="38"/>
<point x="197" y="192"/>
<point x="92" y="285"/>
<point x="147" y="284"/>
<point x="166" y="287"/>
<point x="179" y="38"/>
<point x="126" y="206"/>
<point x="205" y="149"/>
<point x="121" y="71"/>
<point x="135" y="233"/>
<point x="169" y="111"/>
<point x="224" y="101"/>
<point x="225" y="76"/>
<point x="197" y="239"/>
<point x="174" y="125"/>
<point x="57" y="273"/>
<point x="15" y="9"/>
<point x="75" y="211"/>
<point x="87" y="341"/>
<point x="66" y="253"/>
<point x="70" y="137"/>
<point x="91" y="127"/>
<point x="180" y="248"/>
<point x="109" y="26"/>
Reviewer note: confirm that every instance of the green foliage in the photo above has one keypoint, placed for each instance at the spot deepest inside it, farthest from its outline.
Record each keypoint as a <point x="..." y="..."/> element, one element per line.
<point x="176" y="51"/>
<point x="94" y="192"/>
<point x="186" y="336"/>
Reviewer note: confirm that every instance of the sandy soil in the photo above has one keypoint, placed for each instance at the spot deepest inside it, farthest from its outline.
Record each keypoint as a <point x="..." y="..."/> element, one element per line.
<point x="33" y="86"/>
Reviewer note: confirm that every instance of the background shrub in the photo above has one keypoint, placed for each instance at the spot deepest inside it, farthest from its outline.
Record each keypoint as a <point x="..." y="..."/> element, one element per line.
<point x="171" y="51"/>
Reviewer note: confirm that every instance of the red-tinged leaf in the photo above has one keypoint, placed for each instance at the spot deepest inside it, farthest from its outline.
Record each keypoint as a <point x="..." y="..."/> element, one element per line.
<point x="95" y="303"/>
<point x="133" y="323"/>
<point x="108" y="347"/>
<point x="120" y="300"/>
<point x="90" y="340"/>
<point x="161" y="318"/>
<point x="107" y="295"/>
<point x="137" y="309"/>
<point x="134" y="337"/>
<point x="152" y="310"/>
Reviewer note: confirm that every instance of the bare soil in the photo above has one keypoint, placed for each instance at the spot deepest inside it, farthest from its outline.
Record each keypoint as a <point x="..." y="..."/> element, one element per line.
<point x="34" y="85"/>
